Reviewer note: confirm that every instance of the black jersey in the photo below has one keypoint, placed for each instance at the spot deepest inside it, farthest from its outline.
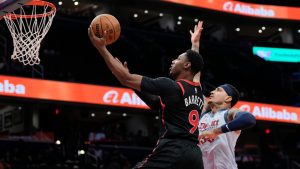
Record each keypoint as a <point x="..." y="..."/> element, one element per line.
<point x="181" y="106"/>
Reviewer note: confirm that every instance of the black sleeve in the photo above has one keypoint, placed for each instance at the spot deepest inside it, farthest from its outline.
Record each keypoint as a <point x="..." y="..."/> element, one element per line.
<point x="161" y="86"/>
<point x="151" y="100"/>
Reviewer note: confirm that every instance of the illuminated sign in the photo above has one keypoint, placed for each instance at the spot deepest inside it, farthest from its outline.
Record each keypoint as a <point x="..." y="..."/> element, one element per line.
<point x="246" y="9"/>
<point x="277" y="54"/>
<point x="69" y="92"/>
<point x="271" y="112"/>
<point x="121" y="97"/>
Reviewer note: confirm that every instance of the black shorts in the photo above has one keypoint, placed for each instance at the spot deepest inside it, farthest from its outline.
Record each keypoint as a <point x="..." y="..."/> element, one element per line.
<point x="173" y="154"/>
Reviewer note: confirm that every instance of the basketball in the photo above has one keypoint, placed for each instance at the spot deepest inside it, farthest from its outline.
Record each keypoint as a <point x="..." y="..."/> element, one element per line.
<point x="108" y="23"/>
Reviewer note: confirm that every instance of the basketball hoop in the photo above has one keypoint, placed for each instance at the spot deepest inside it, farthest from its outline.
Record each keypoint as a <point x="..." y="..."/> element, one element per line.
<point x="29" y="28"/>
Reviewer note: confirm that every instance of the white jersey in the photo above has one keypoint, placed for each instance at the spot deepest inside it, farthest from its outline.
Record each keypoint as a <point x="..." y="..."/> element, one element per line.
<point x="217" y="153"/>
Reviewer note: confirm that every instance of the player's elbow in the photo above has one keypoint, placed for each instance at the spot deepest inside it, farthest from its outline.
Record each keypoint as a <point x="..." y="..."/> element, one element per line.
<point x="245" y="119"/>
<point x="125" y="80"/>
<point x="131" y="80"/>
<point x="251" y="121"/>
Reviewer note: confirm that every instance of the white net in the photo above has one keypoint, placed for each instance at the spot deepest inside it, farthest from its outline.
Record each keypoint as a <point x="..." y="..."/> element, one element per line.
<point x="28" y="30"/>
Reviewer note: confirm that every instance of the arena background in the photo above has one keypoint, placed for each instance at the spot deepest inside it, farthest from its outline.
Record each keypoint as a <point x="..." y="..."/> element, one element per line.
<point x="53" y="133"/>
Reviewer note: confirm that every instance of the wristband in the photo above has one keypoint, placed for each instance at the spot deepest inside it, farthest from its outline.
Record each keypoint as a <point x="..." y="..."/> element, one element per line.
<point x="225" y="128"/>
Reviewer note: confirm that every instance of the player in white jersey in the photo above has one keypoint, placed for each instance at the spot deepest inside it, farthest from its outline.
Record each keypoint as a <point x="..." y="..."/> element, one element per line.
<point x="220" y="127"/>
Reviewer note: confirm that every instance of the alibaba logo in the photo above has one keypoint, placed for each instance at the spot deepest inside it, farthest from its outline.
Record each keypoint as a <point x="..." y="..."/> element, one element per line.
<point x="123" y="98"/>
<point x="228" y="6"/>
<point x="111" y="97"/>
<point x="245" y="107"/>
<point x="8" y="87"/>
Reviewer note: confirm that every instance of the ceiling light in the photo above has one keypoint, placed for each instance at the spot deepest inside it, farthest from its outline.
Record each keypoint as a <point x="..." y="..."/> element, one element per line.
<point x="146" y="11"/>
<point x="76" y="3"/>
<point x="135" y="15"/>
<point x="108" y="113"/>
<point x="124" y="114"/>
<point x="237" y="29"/>
<point x="178" y="22"/>
<point x="279" y="29"/>
<point x="57" y="142"/>
<point x="60" y="3"/>
<point x="93" y="114"/>
<point x="260" y="31"/>
<point x="179" y="17"/>
<point x="161" y="14"/>
<point x="263" y="28"/>
<point x="81" y="152"/>
<point x="196" y="20"/>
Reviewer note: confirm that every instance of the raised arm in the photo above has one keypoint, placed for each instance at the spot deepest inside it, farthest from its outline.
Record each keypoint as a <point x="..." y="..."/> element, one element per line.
<point x="195" y="36"/>
<point x="195" y="40"/>
<point x="116" y="67"/>
<point x="163" y="87"/>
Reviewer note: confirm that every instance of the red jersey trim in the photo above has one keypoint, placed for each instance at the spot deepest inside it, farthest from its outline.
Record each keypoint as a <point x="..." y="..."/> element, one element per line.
<point x="190" y="82"/>
<point x="182" y="89"/>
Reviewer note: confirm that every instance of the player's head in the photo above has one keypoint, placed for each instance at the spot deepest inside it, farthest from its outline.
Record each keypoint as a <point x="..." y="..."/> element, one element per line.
<point x="189" y="61"/>
<point x="224" y="94"/>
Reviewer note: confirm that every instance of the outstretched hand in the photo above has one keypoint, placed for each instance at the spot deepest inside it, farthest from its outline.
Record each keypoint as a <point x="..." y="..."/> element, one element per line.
<point x="195" y="35"/>
<point x="97" y="42"/>
<point x="209" y="134"/>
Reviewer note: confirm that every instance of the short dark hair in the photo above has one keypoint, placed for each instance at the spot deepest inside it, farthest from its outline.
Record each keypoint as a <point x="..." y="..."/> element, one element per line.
<point x="233" y="92"/>
<point x="196" y="60"/>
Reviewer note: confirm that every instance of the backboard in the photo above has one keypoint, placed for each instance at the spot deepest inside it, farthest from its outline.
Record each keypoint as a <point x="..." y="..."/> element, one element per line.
<point x="7" y="6"/>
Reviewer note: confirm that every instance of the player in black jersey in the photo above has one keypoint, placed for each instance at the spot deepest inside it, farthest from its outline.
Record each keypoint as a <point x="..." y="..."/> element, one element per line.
<point x="180" y="103"/>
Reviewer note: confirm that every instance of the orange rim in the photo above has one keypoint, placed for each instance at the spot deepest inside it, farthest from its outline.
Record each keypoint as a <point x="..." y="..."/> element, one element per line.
<point x="35" y="3"/>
